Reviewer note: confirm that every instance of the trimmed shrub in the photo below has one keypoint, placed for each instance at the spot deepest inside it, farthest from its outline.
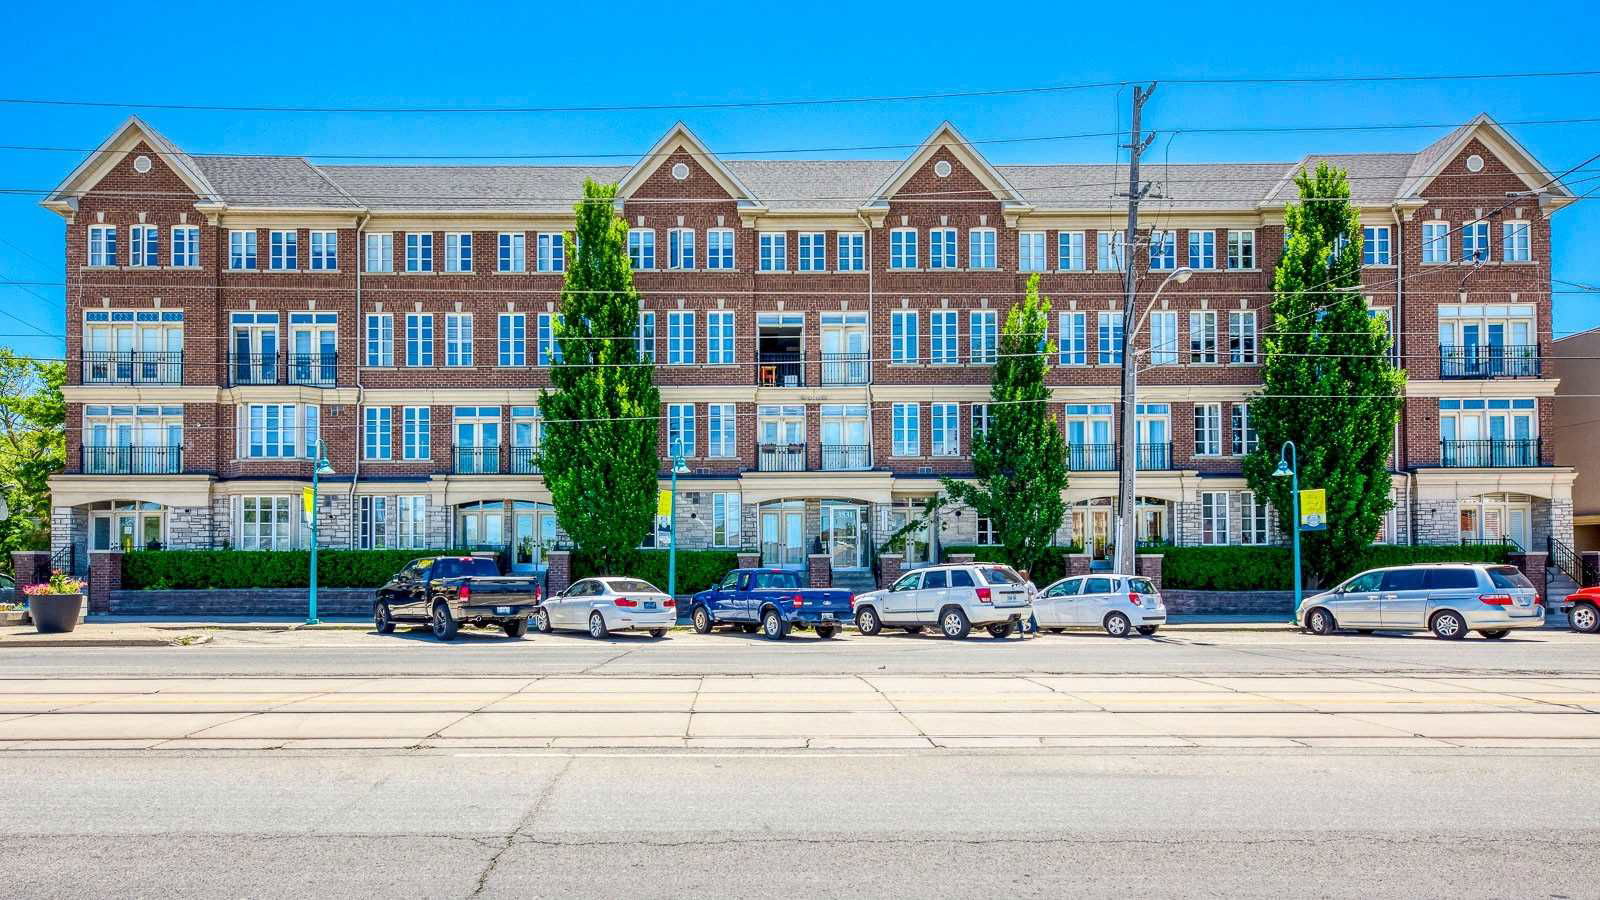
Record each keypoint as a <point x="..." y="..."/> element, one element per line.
<point x="697" y="569"/>
<point x="225" y="569"/>
<point x="1053" y="567"/>
<point x="1235" y="568"/>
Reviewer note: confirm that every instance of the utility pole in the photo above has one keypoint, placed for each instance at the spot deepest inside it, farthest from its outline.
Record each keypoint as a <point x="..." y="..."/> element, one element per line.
<point x="1127" y="451"/>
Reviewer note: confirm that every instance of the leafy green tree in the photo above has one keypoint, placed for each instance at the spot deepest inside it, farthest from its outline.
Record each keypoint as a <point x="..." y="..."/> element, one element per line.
<point x="33" y="445"/>
<point x="1328" y="381"/>
<point x="1020" y="465"/>
<point x="601" y="414"/>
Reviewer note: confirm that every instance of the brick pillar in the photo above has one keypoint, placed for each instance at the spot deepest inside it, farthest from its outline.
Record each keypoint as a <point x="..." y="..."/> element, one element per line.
<point x="1531" y="563"/>
<point x="1078" y="563"/>
<point x="820" y="568"/>
<point x="749" y="560"/>
<point x="30" y="566"/>
<point x="559" y="576"/>
<point x="889" y="568"/>
<point x="961" y="559"/>
<point x="1149" y="565"/>
<point x="105" y="576"/>
<point x="1591" y="563"/>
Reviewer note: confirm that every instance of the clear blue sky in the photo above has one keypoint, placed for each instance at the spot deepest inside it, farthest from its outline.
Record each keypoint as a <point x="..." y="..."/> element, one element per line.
<point x="563" y="54"/>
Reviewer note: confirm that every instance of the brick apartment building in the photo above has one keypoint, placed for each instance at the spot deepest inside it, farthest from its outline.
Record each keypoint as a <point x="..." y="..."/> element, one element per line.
<point x="822" y="332"/>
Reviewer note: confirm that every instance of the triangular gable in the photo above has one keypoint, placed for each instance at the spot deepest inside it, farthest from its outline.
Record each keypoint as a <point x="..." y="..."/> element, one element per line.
<point x="112" y="151"/>
<point x="679" y="137"/>
<point x="1434" y="158"/>
<point x="946" y="136"/>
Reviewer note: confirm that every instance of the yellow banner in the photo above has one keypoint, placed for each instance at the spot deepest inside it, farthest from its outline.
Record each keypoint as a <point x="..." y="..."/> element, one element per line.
<point x="307" y="501"/>
<point x="664" y="503"/>
<point x="1313" y="510"/>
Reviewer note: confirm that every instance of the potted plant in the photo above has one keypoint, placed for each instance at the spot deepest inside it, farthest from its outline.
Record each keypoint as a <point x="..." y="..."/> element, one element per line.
<point x="56" y="604"/>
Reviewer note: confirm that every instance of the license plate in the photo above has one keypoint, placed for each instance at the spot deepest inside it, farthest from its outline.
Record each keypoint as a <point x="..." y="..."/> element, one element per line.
<point x="827" y="617"/>
<point x="502" y="610"/>
<point x="1524" y="601"/>
<point x="649" y="604"/>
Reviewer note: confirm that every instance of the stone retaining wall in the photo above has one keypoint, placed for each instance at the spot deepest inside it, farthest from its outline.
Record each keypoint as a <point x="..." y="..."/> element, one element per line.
<point x="1233" y="603"/>
<point x="255" y="602"/>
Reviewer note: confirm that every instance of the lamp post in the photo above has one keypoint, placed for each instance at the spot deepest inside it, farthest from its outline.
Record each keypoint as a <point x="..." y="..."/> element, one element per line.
<point x="679" y="467"/>
<point x="322" y="467"/>
<point x="1289" y="467"/>
<point x="1127" y="525"/>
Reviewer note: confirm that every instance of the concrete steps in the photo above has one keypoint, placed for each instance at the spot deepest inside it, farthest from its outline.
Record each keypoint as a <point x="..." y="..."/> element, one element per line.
<point x="1557" y="588"/>
<point x="855" y="582"/>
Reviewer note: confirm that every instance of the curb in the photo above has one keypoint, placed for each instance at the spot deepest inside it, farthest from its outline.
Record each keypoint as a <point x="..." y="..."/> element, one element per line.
<point x="26" y="642"/>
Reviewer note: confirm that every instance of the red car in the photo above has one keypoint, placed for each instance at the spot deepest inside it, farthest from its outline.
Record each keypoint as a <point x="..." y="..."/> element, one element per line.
<point x="1581" y="609"/>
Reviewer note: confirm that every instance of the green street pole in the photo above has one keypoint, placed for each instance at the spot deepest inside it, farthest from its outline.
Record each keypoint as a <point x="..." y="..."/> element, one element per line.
<point x="678" y="465"/>
<point x="1289" y="464"/>
<point x="318" y="468"/>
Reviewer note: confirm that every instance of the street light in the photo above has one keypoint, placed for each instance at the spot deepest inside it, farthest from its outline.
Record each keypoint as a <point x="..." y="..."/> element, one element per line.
<point x="1127" y="534"/>
<point x="1289" y="467"/>
<point x="323" y="467"/>
<point x="679" y="467"/>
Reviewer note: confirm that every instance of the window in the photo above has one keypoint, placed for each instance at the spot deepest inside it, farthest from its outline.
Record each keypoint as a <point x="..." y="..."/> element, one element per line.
<point x="980" y="419"/>
<point x="980" y="248"/>
<point x="1069" y="251"/>
<point x="1475" y="242"/>
<point x="513" y="339"/>
<point x="132" y="440"/>
<point x="1435" y="242"/>
<point x="1202" y="249"/>
<point x="1514" y="246"/>
<point x="903" y="338"/>
<point x="1244" y="434"/>
<point x="185" y="247"/>
<point x="986" y="536"/>
<point x="943" y="337"/>
<point x="419" y="252"/>
<point x="719" y="248"/>
<point x="1241" y="249"/>
<point x="411" y="522"/>
<point x="941" y="248"/>
<point x="513" y="255"/>
<point x="852" y="251"/>
<point x="103" y="246"/>
<point x="680" y="248"/>
<point x="680" y="338"/>
<point x="719" y="338"/>
<point x="907" y="429"/>
<point x="1109" y="251"/>
<point x="985" y="336"/>
<point x="419" y="339"/>
<point x="279" y="430"/>
<point x="1207" y="429"/>
<point x="552" y="252"/>
<point x="1030" y="251"/>
<point x="380" y="253"/>
<point x="1074" y="344"/>
<point x="372" y="522"/>
<point x="1486" y="432"/>
<point x="458" y="251"/>
<point x="264" y="523"/>
<point x="726" y="516"/>
<point x="1375" y="245"/>
<point x="1252" y="518"/>
<point x="813" y="251"/>
<point x="549" y="346"/>
<point x="641" y="248"/>
<point x="416" y="434"/>
<point x="283" y="248"/>
<point x="645" y="334"/>
<point x="377" y="433"/>
<point x="380" y="339"/>
<point x="527" y="436"/>
<point x="944" y="425"/>
<point x="1163" y="338"/>
<point x="477" y="440"/>
<point x="1163" y="250"/>
<point x="721" y="429"/>
<point x="1214" y="517"/>
<point x="458" y="339"/>
<point x="1203" y="336"/>
<point x="241" y="250"/>
<point x="903" y="248"/>
<point x="774" y="251"/>
<point x="145" y="246"/>
<point x="324" y="251"/>
<point x="1242" y="337"/>
<point x="680" y="429"/>
<point x="1110" y="338"/>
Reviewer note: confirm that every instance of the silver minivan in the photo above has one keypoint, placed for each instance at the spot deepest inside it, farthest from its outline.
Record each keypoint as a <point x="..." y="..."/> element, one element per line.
<point x="1118" y="603"/>
<point x="1449" y="599"/>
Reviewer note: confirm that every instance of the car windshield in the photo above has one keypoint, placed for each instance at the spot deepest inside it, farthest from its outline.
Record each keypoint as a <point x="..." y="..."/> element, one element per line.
<point x="1509" y="577"/>
<point x="631" y="586"/>
<point x="475" y="566"/>
<point x="1141" y="586"/>
<point x="999" y="575"/>
<point x="779" y="580"/>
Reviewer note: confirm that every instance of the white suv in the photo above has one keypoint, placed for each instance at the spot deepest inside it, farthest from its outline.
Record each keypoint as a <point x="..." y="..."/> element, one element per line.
<point x="1118" y="603"/>
<point x="954" y="598"/>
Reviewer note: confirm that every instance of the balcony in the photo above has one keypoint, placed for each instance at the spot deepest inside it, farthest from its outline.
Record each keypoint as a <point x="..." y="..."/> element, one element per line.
<point x="525" y="460"/>
<point x="780" y="370"/>
<point x="844" y="368"/>
<point x="476" y="461"/>
<point x="314" y="369"/>
<point x="846" y="457"/>
<point x="1155" y="457"/>
<point x="1478" y="361"/>
<point x="133" y="367"/>
<point x="310" y="369"/>
<point x="131" y="460"/>
<point x="781" y="458"/>
<point x="1489" y="454"/>
<point x="252" y="368"/>
<point x="1092" y="457"/>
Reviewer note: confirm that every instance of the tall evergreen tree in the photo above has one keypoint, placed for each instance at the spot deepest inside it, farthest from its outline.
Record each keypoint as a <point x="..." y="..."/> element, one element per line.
<point x="599" y="454"/>
<point x="1328" y="381"/>
<point x="1020" y="464"/>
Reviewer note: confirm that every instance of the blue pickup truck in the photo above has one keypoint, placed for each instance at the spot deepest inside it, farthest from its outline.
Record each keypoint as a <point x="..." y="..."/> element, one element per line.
<point x="771" y="601"/>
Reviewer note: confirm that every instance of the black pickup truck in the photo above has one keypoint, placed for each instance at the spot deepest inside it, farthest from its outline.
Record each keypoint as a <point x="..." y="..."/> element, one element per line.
<point x="450" y="591"/>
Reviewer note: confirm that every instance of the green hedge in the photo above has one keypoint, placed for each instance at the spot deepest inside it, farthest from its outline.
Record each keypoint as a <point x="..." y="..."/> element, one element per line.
<point x="220" y="569"/>
<point x="1271" y="568"/>
<point x="1053" y="566"/>
<point x="697" y="569"/>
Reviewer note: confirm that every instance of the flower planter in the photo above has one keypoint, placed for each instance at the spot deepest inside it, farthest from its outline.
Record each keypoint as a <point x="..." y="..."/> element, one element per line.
<point x="54" y="613"/>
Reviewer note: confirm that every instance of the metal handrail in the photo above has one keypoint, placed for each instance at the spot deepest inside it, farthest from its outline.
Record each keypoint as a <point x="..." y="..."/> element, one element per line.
<point x="844" y="368"/>
<point x="1490" y="361"/>
<point x="1491" y="453"/>
<point x="781" y="458"/>
<point x="133" y="367"/>
<point x="1092" y="457"/>
<point x="846" y="457"/>
<point x="780" y="370"/>
<point x="130" y="460"/>
<point x="476" y="460"/>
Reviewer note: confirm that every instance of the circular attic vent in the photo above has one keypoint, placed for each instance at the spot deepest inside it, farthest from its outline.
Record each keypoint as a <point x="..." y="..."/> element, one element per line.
<point x="680" y="171"/>
<point x="942" y="168"/>
<point x="141" y="164"/>
<point x="1474" y="163"/>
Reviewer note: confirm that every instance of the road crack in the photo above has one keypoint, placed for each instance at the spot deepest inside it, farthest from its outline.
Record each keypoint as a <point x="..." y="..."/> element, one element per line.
<point x="509" y="839"/>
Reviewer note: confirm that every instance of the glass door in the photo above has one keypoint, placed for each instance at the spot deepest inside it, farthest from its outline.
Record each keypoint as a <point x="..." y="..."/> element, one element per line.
<point x="841" y="535"/>
<point x="524" y="543"/>
<point x="783" y="538"/>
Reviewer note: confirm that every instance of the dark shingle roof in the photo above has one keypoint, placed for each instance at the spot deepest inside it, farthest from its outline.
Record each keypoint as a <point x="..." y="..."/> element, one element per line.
<point x="271" y="181"/>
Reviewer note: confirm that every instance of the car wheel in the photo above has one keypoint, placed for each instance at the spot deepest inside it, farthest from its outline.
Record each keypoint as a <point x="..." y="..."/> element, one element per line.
<point x="1448" y="625"/>
<point x="953" y="622"/>
<point x="444" y="624"/>
<point x="701" y="617"/>
<point x="597" y="626"/>
<point x="773" y="627"/>
<point x="913" y="629"/>
<point x="1320" y="621"/>
<point x="1117" y="625"/>
<point x="541" y="621"/>
<point x="1148" y="630"/>
<point x="1583" y="619"/>
<point x="1000" y="630"/>
<point x="867" y="621"/>
<point x="515" y="628"/>
<point x="1495" y="634"/>
<point x="381" y="618"/>
<point x="826" y="632"/>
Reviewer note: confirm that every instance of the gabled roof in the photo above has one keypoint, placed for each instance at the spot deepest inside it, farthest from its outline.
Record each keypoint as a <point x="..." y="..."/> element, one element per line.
<point x="679" y="137"/>
<point x="522" y="189"/>
<point x="114" y="149"/>
<point x="1373" y="177"/>
<point x="946" y="136"/>
<point x="273" y="181"/>
<point x="1432" y="160"/>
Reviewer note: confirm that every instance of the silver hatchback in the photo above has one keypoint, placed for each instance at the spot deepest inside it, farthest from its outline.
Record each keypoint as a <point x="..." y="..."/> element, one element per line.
<point x="1449" y="599"/>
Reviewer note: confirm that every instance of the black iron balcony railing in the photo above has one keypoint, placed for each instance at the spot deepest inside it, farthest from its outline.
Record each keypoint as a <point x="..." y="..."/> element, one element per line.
<point x="844" y="368"/>
<point x="1477" y="361"/>
<point x="133" y="367"/>
<point x="846" y="457"/>
<point x="781" y="458"/>
<point x="252" y="368"/>
<point x="158" y="460"/>
<point x="477" y="460"/>
<point x="314" y="369"/>
<point x="1486" y="454"/>
<point x="780" y="370"/>
<point x="1092" y="457"/>
<point x="1155" y="457"/>
<point x="525" y="460"/>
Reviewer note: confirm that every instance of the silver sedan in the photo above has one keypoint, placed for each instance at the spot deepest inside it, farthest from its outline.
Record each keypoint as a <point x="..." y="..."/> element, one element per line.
<point x="603" y="605"/>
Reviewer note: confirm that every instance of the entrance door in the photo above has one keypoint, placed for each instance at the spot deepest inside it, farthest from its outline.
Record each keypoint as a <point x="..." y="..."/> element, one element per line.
<point x="841" y="535"/>
<point x="1100" y="529"/>
<point x="524" y="543"/>
<point x="783" y="538"/>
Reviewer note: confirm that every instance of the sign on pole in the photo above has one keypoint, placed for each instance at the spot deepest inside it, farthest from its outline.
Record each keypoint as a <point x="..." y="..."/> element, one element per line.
<point x="1314" y="510"/>
<point x="307" y="503"/>
<point x="663" y="517"/>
